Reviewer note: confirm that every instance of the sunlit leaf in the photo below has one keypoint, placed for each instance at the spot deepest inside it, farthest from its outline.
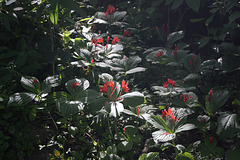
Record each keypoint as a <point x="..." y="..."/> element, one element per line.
<point x="20" y="99"/>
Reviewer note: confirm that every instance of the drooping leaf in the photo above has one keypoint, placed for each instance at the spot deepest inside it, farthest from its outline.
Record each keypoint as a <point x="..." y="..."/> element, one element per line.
<point x="68" y="108"/>
<point x="161" y="122"/>
<point x="135" y="70"/>
<point x="75" y="86"/>
<point x="233" y="154"/>
<point x="20" y="99"/>
<point x="133" y="99"/>
<point x="130" y="130"/>
<point x="185" y="127"/>
<point x="49" y="82"/>
<point x="228" y="125"/>
<point x="97" y="104"/>
<point x="173" y="37"/>
<point x="176" y="4"/>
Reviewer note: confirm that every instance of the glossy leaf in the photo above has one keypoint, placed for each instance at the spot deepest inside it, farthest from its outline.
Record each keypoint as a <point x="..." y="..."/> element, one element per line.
<point x="20" y="99"/>
<point x="125" y="146"/>
<point x="228" y="125"/>
<point x="133" y="99"/>
<point x="163" y="136"/>
<point x="184" y="156"/>
<point x="149" y="156"/>
<point x="194" y="5"/>
<point x="29" y="83"/>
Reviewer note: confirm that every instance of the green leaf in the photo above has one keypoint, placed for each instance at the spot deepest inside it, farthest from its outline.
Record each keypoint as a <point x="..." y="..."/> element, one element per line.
<point x="131" y="130"/>
<point x="97" y="104"/>
<point x="162" y="123"/>
<point x="133" y="99"/>
<point x="112" y="157"/>
<point x="125" y="146"/>
<point x="233" y="16"/>
<point x="192" y="62"/>
<point x="68" y="108"/>
<point x="184" y="156"/>
<point x="176" y="4"/>
<point x="20" y="99"/>
<point x="233" y="154"/>
<point x="185" y="127"/>
<point x="75" y="90"/>
<point x="149" y="156"/>
<point x="228" y="125"/>
<point x="163" y="136"/>
<point x="135" y="70"/>
<point x="203" y="41"/>
<point x="49" y="82"/>
<point x="174" y="37"/>
<point x="193" y="4"/>
<point x="28" y="83"/>
<point x="54" y="15"/>
<point x="119" y="15"/>
<point x="219" y="98"/>
<point x="112" y="149"/>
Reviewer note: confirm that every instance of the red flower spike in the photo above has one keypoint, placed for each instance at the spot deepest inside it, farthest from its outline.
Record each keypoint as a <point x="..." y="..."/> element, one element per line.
<point x="126" y="33"/>
<point x="190" y="63"/>
<point x="176" y="49"/>
<point x="211" y="140"/>
<point x="183" y="81"/>
<point x="108" y="38"/>
<point x="163" y="113"/>
<point x="160" y="54"/>
<point x="203" y="120"/>
<point x="74" y="84"/>
<point x="165" y="85"/>
<point x="35" y="80"/>
<point x="110" y="10"/>
<point x="124" y="129"/>
<point x="116" y="39"/>
<point x="125" y="87"/>
<point x="138" y="111"/>
<point x="166" y="133"/>
<point x="210" y="92"/>
<point x="92" y="61"/>
<point x="100" y="40"/>
<point x="157" y="28"/>
<point x="83" y="68"/>
<point x="108" y="83"/>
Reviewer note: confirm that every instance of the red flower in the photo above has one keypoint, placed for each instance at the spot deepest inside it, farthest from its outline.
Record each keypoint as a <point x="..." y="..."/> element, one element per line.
<point x="211" y="140"/>
<point x="126" y="33"/>
<point x="166" y="133"/>
<point x="110" y="10"/>
<point x="157" y="28"/>
<point x="125" y="87"/>
<point x="138" y="110"/>
<point x="108" y="83"/>
<point x="210" y="92"/>
<point x="165" y="85"/>
<point x="124" y="129"/>
<point x="108" y="38"/>
<point x="170" y="114"/>
<point x="74" y="84"/>
<point x="92" y="61"/>
<point x="35" y="80"/>
<point x="160" y="54"/>
<point x="116" y="39"/>
<point x="170" y="81"/>
<point x="100" y="40"/>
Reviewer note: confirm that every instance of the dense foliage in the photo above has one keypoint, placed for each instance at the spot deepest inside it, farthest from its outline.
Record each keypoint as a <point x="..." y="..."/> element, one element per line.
<point x="96" y="79"/>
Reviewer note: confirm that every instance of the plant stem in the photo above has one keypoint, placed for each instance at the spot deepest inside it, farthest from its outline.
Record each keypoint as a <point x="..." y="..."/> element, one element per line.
<point x="174" y="145"/>
<point x="110" y="129"/>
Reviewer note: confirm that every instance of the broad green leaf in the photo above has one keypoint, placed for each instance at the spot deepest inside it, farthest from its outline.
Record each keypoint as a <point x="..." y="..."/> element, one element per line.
<point x="162" y="123"/>
<point x="119" y="15"/>
<point x="233" y="16"/>
<point x="192" y="62"/>
<point x="75" y="86"/>
<point x="228" y="125"/>
<point x="131" y="130"/>
<point x="68" y="108"/>
<point x="218" y="99"/>
<point x="233" y="154"/>
<point x="203" y="41"/>
<point x="29" y="83"/>
<point x="135" y="70"/>
<point x="20" y="99"/>
<point x="133" y="99"/>
<point x="149" y="156"/>
<point x="185" y="127"/>
<point x="180" y="148"/>
<point x="184" y="156"/>
<point x="97" y="104"/>
<point x="163" y="136"/>
<point x="176" y="4"/>
<point x="49" y="82"/>
<point x="125" y="146"/>
<point x="193" y="4"/>
<point x="116" y="109"/>
<point x="173" y="37"/>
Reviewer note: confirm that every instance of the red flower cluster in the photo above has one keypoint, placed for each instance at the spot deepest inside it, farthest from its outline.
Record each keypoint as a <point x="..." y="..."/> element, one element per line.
<point x="74" y="84"/>
<point x="168" y="83"/>
<point x="211" y="140"/>
<point x="170" y="114"/>
<point x="210" y="96"/>
<point x="125" y="87"/>
<point x="35" y="80"/>
<point x="116" y="39"/>
<point x="97" y="41"/>
<point x="159" y="54"/>
<point x="193" y="62"/>
<point x="126" y="33"/>
<point x="185" y="97"/>
<point x="110" y="11"/>
<point x="108" y="83"/>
